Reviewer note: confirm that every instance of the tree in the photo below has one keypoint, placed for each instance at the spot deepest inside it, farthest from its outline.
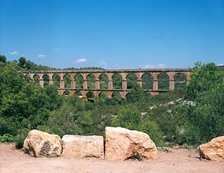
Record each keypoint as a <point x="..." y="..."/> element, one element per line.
<point x="209" y="114"/>
<point x="136" y="94"/>
<point x="206" y="119"/>
<point x="23" y="104"/>
<point x="2" y="58"/>
<point x="204" y="77"/>
<point x="22" y="62"/>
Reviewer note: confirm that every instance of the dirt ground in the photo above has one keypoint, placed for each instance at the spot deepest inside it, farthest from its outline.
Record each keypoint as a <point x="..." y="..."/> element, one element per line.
<point x="171" y="161"/>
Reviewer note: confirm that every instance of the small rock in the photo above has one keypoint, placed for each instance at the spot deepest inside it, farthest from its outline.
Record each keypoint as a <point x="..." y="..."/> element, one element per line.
<point x="180" y="99"/>
<point x="169" y="111"/>
<point x="190" y="103"/>
<point x="171" y="103"/>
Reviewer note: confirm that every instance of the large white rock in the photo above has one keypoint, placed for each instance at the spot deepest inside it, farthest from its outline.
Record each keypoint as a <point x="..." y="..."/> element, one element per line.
<point x="122" y="144"/>
<point x="213" y="150"/>
<point x="40" y="144"/>
<point x="83" y="146"/>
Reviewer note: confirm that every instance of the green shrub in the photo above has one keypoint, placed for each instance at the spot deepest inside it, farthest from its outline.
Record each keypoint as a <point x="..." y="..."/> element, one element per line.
<point x="190" y="135"/>
<point x="128" y="117"/>
<point x="7" y="138"/>
<point x="131" y="118"/>
<point x="152" y="129"/>
<point x="204" y="77"/>
<point x="20" y="137"/>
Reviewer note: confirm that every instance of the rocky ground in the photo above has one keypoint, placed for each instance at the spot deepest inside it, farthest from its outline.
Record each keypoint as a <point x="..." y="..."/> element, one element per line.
<point x="168" y="161"/>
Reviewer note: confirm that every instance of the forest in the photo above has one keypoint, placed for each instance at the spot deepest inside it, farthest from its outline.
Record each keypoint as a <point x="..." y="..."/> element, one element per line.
<point x="190" y="115"/>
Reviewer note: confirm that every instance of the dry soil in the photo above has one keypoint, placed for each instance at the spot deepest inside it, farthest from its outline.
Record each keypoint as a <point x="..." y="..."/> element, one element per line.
<point x="168" y="161"/>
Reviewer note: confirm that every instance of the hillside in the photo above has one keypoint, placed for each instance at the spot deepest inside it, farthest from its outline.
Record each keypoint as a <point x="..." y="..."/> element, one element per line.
<point x="182" y="117"/>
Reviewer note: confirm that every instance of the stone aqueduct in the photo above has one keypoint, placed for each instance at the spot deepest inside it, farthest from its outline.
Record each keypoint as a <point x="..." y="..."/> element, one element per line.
<point x="171" y="72"/>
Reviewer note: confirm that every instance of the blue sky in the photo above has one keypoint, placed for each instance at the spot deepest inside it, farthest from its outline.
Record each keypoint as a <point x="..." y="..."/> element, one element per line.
<point x="113" y="33"/>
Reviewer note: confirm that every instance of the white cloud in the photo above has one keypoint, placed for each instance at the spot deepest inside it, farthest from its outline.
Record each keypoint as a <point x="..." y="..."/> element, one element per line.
<point x="154" y="66"/>
<point x="161" y="66"/>
<point x="149" y="66"/>
<point x="80" y="61"/>
<point x="13" y="53"/>
<point x="102" y="63"/>
<point x="41" y="56"/>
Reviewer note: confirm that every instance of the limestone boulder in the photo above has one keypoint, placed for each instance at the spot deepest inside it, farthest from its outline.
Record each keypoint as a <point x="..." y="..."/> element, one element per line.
<point x="213" y="150"/>
<point x="42" y="144"/>
<point x="83" y="146"/>
<point x="122" y="144"/>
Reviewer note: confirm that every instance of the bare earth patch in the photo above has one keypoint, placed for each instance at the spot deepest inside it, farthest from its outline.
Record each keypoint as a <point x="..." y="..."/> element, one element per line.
<point x="175" y="161"/>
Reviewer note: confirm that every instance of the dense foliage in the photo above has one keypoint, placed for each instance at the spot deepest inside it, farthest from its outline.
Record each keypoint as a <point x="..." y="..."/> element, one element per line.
<point x="205" y="120"/>
<point x="189" y="115"/>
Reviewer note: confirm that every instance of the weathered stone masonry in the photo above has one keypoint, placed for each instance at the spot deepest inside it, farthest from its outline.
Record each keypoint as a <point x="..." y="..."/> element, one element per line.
<point x="171" y="72"/>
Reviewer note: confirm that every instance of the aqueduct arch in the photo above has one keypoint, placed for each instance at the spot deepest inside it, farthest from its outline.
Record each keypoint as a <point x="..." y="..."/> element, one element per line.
<point x="72" y="81"/>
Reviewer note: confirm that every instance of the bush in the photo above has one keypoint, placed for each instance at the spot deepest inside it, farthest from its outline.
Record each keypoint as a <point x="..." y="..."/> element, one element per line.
<point x="205" y="121"/>
<point x="188" y="134"/>
<point x="62" y="122"/>
<point x="204" y="77"/>
<point x="136" y="94"/>
<point x="7" y="138"/>
<point x="20" y="137"/>
<point x="128" y="117"/>
<point x="131" y="118"/>
<point x="152" y="129"/>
